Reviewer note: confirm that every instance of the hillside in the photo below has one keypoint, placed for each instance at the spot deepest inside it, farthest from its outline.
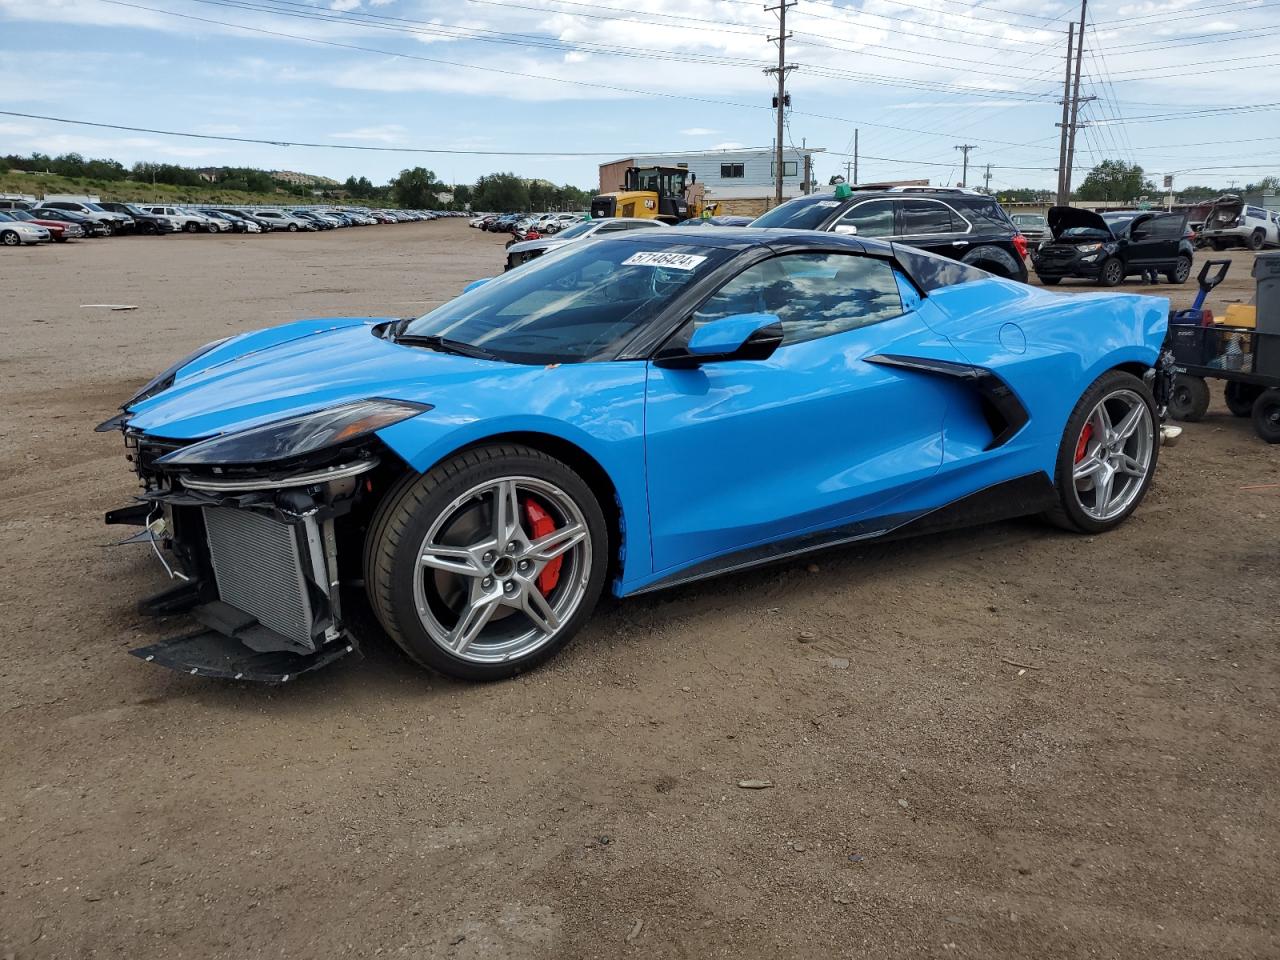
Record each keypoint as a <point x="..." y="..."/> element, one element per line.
<point x="135" y="191"/>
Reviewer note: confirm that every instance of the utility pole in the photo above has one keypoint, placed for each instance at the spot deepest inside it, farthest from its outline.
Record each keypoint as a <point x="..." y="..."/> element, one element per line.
<point x="1075" y="104"/>
<point x="965" y="148"/>
<point x="781" y="101"/>
<point x="986" y="179"/>
<point x="855" y="154"/>
<point x="1064" y="191"/>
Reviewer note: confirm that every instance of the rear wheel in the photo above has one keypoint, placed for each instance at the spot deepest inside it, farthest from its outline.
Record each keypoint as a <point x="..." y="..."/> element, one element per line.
<point x="993" y="260"/>
<point x="1240" y="397"/>
<point x="1181" y="270"/>
<point x="1219" y="245"/>
<point x="1189" y="398"/>
<point x="1266" y="415"/>
<point x="489" y="563"/>
<point x="1256" y="240"/>
<point x="191" y="226"/>
<point x="1112" y="273"/>
<point x="1050" y="281"/>
<point x="1107" y="456"/>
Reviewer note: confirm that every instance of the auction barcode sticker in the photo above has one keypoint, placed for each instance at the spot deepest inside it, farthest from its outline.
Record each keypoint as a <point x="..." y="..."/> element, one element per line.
<point x="676" y="261"/>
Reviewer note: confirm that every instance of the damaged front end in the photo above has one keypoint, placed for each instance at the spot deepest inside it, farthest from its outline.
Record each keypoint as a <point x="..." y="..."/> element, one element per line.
<point x="252" y="527"/>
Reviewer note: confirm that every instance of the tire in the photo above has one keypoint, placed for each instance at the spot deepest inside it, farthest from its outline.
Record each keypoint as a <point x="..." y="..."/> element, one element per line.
<point x="1078" y="508"/>
<point x="1050" y="281"/>
<point x="191" y="226"/>
<point x="293" y="228"/>
<point x="1218" y="245"/>
<point x="453" y="503"/>
<point x="1266" y="415"/>
<point x="993" y="260"/>
<point x="1189" y="398"/>
<point x="1111" y="274"/>
<point x="150" y="229"/>
<point x="1240" y="397"/>
<point x="1256" y="240"/>
<point x="1181" y="270"/>
<point x="10" y="238"/>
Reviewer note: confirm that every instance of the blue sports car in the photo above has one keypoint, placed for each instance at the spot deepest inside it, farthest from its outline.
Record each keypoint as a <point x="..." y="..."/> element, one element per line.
<point x="631" y="413"/>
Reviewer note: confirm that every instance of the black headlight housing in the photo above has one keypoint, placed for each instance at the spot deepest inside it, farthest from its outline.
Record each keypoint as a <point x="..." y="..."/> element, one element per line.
<point x="300" y="437"/>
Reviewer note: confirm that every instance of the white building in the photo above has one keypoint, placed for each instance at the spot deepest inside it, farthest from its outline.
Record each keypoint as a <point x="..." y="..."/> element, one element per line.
<point x="741" y="180"/>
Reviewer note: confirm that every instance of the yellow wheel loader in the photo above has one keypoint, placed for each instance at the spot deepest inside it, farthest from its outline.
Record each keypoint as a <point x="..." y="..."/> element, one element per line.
<point x="669" y="194"/>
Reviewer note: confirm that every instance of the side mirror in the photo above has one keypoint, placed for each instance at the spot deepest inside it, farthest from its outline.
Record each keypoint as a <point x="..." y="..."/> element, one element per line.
<point x="1138" y="235"/>
<point x="846" y="229"/>
<point x="476" y="283"/>
<point x="743" y="336"/>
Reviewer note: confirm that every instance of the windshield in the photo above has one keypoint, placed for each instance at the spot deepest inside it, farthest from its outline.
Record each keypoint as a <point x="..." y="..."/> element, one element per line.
<point x="17" y="215"/>
<point x="1118" y="221"/>
<point x="802" y="213"/>
<point x="580" y="305"/>
<point x="5" y="218"/>
<point x="577" y="230"/>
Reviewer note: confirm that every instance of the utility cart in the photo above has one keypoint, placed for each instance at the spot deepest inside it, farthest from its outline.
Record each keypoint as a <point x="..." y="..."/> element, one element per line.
<point x="1245" y="352"/>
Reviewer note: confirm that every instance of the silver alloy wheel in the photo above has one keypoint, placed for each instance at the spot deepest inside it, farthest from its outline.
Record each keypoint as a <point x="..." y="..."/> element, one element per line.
<point x="477" y="590"/>
<point x="1113" y="455"/>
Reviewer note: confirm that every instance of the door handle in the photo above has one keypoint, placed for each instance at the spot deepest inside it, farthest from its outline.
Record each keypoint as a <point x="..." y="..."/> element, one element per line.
<point x="959" y="243"/>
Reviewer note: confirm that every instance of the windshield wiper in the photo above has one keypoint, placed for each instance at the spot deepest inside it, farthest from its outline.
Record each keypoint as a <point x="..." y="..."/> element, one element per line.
<point x="444" y="345"/>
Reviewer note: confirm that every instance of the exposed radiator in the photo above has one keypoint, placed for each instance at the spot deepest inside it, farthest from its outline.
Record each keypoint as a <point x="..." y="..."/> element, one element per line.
<point x="258" y="564"/>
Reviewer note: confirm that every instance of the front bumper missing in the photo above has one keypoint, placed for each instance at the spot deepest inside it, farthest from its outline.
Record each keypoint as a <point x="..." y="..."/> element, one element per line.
<point x="258" y="570"/>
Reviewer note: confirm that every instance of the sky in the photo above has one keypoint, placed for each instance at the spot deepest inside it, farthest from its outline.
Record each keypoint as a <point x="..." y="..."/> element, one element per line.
<point x="1188" y="88"/>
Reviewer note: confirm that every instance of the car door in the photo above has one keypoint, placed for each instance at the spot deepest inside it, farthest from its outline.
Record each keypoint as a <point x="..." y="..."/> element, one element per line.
<point x="932" y="225"/>
<point x="747" y="452"/>
<point x="872" y="218"/>
<point x="1164" y="234"/>
<point x="1144" y="244"/>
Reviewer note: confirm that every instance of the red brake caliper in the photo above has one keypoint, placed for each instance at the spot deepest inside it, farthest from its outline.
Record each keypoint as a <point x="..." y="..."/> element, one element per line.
<point x="541" y="524"/>
<point x="1083" y="446"/>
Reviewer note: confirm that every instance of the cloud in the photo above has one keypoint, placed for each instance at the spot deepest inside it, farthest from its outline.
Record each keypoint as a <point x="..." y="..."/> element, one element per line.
<point x="387" y="133"/>
<point x="728" y="145"/>
<point x="698" y="132"/>
<point x="344" y="5"/>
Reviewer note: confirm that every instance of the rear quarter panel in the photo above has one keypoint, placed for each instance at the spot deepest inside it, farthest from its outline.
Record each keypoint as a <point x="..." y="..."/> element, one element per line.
<point x="1048" y="347"/>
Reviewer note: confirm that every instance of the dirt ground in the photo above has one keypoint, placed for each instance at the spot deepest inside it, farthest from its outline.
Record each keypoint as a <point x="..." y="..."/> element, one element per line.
<point x="1003" y="743"/>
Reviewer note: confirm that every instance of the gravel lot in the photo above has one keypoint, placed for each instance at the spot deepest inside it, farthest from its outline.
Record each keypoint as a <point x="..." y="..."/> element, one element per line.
<point x="931" y="797"/>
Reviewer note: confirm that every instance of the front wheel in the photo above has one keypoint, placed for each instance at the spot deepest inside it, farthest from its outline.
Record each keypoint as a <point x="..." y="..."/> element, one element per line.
<point x="10" y="238"/>
<point x="191" y="226"/>
<point x="1107" y="456"/>
<point x="293" y="228"/>
<point x="1189" y="399"/>
<point x="1050" y="281"/>
<point x="1181" y="270"/>
<point x="1266" y="415"/>
<point x="1112" y="273"/>
<point x="1256" y="240"/>
<point x="489" y="563"/>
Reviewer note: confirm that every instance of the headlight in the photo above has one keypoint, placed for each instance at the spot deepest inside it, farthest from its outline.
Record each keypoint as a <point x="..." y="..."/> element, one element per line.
<point x="1088" y="247"/>
<point x="296" y="436"/>
<point x="164" y="381"/>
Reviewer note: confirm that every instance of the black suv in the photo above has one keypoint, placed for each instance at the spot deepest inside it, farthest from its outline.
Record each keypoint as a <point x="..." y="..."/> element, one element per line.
<point x="970" y="227"/>
<point x="1107" y="247"/>
<point x="144" y="222"/>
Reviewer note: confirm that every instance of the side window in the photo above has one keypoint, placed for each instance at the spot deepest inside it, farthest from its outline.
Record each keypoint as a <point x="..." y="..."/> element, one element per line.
<point x="1168" y="227"/>
<point x="813" y="294"/>
<point x="923" y="217"/>
<point x="732" y="171"/>
<point x="873" y="218"/>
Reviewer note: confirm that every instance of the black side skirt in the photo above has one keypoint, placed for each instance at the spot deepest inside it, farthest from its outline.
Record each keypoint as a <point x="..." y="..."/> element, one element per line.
<point x="1019" y="497"/>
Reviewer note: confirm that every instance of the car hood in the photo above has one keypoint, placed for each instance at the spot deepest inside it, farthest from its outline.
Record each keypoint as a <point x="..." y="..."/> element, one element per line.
<point x="544" y="244"/>
<point x="1064" y="218"/>
<point x="298" y="368"/>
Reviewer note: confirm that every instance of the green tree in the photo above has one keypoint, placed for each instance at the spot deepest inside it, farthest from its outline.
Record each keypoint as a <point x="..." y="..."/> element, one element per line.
<point x="501" y="191"/>
<point x="416" y="188"/>
<point x="1115" y="180"/>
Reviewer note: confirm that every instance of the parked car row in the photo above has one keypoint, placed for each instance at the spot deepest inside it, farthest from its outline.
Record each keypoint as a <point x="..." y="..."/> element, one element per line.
<point x="56" y="220"/>
<point x="526" y="226"/>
